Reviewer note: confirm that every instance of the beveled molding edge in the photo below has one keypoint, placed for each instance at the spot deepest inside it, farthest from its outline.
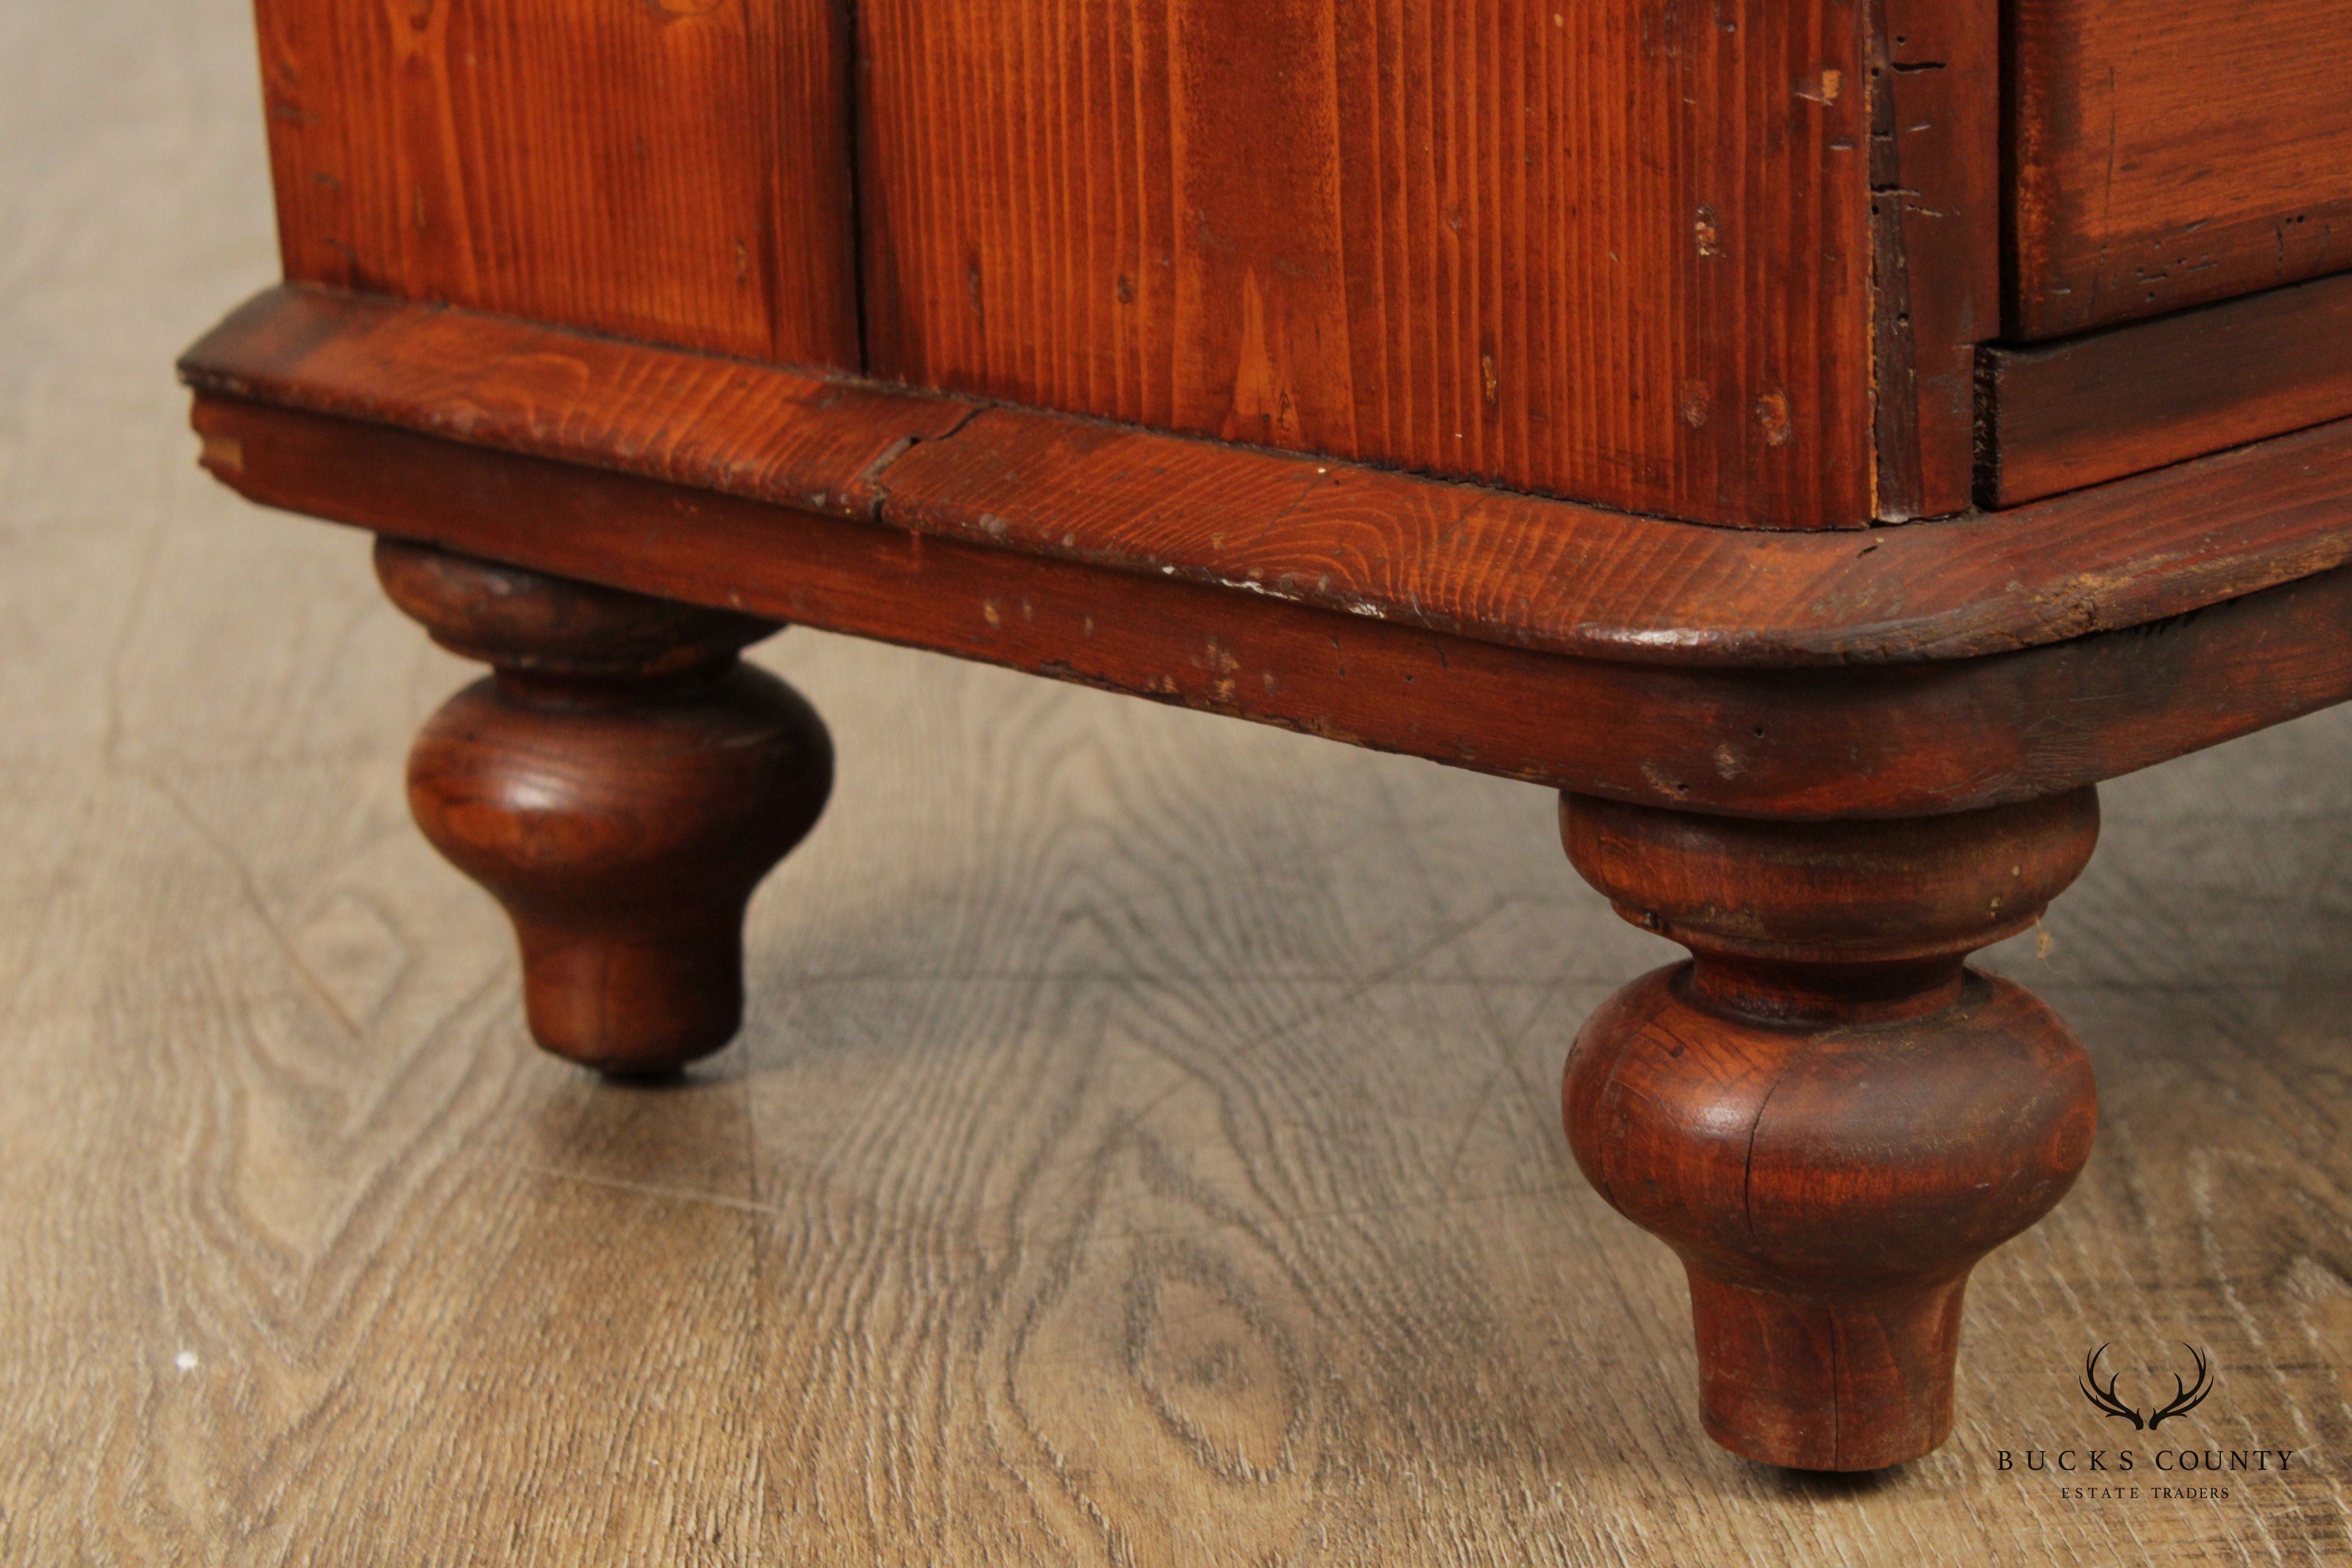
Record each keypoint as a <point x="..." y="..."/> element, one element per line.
<point x="1497" y="566"/>
<point x="1858" y="740"/>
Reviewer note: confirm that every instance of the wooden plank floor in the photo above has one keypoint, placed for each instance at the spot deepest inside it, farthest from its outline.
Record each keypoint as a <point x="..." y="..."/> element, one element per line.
<point x="1143" y="1150"/>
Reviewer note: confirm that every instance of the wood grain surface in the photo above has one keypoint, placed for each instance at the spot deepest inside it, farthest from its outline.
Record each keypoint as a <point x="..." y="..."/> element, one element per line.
<point x="1499" y="567"/>
<point x="1872" y="740"/>
<point x="2166" y="152"/>
<point x="1143" y="1150"/>
<point x="1825" y="1113"/>
<point x="673" y="170"/>
<point x="1619" y="253"/>
<point x="621" y="782"/>
<point x="2085" y="410"/>
<point x="1936" y="205"/>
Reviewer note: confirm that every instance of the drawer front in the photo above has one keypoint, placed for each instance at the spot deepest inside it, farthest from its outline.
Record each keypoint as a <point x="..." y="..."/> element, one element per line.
<point x="2170" y="153"/>
<point x="2082" y="410"/>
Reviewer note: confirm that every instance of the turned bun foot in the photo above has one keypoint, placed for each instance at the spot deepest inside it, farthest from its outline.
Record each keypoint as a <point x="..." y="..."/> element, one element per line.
<point x="1826" y="1115"/>
<point x="620" y="784"/>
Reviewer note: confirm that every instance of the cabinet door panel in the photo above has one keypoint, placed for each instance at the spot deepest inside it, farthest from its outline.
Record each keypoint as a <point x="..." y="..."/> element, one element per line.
<point x="1618" y="252"/>
<point x="673" y="170"/>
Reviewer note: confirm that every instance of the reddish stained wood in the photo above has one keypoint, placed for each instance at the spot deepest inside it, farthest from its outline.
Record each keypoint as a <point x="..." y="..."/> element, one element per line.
<point x="2169" y="153"/>
<point x="672" y="170"/>
<point x="2082" y="410"/>
<point x="1486" y="564"/>
<point x="1880" y="740"/>
<point x="1935" y="185"/>
<point x="1617" y="252"/>
<point x="1825" y="1114"/>
<point x="620" y="785"/>
<point x="690" y="418"/>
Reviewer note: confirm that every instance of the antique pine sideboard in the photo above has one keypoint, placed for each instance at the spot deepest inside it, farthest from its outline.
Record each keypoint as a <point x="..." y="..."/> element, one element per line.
<point x="1820" y="438"/>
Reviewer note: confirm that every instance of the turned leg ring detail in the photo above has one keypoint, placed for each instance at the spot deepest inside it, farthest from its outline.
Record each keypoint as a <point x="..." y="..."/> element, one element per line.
<point x="1824" y="1112"/>
<point x="620" y="782"/>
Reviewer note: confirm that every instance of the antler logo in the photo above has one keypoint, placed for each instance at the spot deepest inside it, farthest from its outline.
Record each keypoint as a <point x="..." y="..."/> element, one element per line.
<point x="2186" y="1396"/>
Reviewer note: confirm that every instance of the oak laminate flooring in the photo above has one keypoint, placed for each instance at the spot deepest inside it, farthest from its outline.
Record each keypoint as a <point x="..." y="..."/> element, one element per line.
<point x="1143" y="1148"/>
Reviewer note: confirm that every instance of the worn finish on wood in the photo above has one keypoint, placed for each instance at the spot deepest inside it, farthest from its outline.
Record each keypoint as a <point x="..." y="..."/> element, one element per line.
<point x="1486" y="564"/>
<point x="1129" y="1096"/>
<point x="1934" y="87"/>
<point x="2064" y="414"/>
<point x="2168" y="152"/>
<point x="1826" y="1114"/>
<point x="1619" y="253"/>
<point x="621" y="783"/>
<point x="1880" y="740"/>
<point x="1828" y="1118"/>
<point x="674" y="170"/>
